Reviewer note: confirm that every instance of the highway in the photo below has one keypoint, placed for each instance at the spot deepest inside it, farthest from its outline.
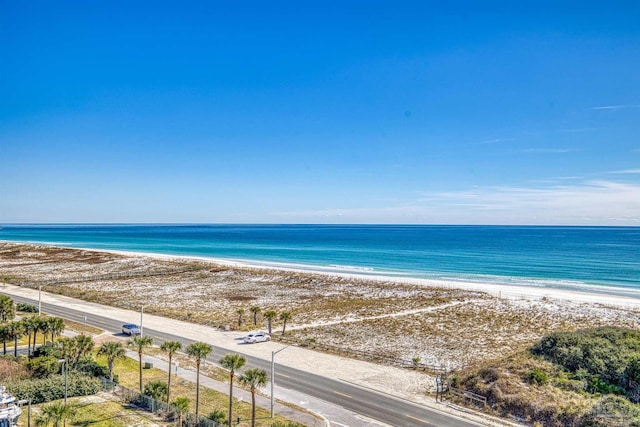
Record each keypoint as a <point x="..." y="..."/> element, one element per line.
<point x="377" y="406"/>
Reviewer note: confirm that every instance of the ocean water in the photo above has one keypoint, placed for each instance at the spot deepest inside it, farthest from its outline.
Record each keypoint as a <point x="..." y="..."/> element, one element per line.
<point x="560" y="257"/>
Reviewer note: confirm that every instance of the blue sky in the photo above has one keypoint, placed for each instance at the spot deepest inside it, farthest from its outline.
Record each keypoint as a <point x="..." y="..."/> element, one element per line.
<point x="320" y="112"/>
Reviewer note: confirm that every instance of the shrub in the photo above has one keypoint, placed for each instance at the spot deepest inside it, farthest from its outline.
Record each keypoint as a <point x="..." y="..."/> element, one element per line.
<point x="26" y="308"/>
<point x="537" y="376"/>
<point x="52" y="388"/>
<point x="94" y="369"/>
<point x="43" y="367"/>
<point x="48" y="350"/>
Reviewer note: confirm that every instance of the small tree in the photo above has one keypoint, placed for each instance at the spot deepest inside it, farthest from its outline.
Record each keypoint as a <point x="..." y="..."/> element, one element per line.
<point x="170" y="347"/>
<point x="270" y="315"/>
<point x="254" y="379"/>
<point x="240" y="313"/>
<point x="199" y="351"/>
<point x="255" y="310"/>
<point x="232" y="362"/>
<point x="112" y="351"/>
<point x="182" y="405"/>
<point x="139" y="344"/>
<point x="285" y="316"/>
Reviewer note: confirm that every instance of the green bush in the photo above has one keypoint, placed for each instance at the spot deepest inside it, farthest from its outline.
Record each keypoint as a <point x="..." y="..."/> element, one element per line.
<point x="537" y="376"/>
<point x="48" y="350"/>
<point x="52" y="388"/>
<point x="606" y="358"/>
<point x="43" y="367"/>
<point x="93" y="369"/>
<point x="26" y="308"/>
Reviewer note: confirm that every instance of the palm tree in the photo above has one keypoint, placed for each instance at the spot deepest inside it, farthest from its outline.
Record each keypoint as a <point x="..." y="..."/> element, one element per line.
<point x="156" y="389"/>
<point x="232" y="362"/>
<point x="7" y="309"/>
<point x="83" y="349"/>
<point x="112" y="351"/>
<point x="56" y="327"/>
<point x="254" y="379"/>
<point x="199" y="351"/>
<point x="217" y="416"/>
<point x="56" y="414"/>
<point x="44" y="326"/>
<point x="255" y="310"/>
<point x="269" y="315"/>
<point x="67" y="347"/>
<point x="5" y="335"/>
<point x="16" y="332"/>
<point x="30" y="325"/>
<point x="240" y="313"/>
<point x="285" y="316"/>
<point x="182" y="405"/>
<point x="170" y="347"/>
<point x="139" y="344"/>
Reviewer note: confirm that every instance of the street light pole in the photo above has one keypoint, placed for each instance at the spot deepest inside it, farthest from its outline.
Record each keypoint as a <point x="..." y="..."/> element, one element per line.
<point x="273" y="373"/>
<point x="39" y="300"/>
<point x="141" y="314"/>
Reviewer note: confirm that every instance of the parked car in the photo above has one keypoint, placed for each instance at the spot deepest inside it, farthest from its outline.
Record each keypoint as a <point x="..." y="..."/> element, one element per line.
<point x="255" y="337"/>
<point x="130" y="329"/>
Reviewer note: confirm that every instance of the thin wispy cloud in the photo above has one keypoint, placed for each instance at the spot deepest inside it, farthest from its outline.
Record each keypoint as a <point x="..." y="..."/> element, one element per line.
<point x="615" y="107"/>
<point x="576" y="130"/>
<point x="592" y="202"/>
<point x="547" y="150"/>
<point x="494" y="141"/>
<point x="626" y="171"/>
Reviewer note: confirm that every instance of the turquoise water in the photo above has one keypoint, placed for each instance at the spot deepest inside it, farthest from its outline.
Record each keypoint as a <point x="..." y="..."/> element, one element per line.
<point x="565" y="257"/>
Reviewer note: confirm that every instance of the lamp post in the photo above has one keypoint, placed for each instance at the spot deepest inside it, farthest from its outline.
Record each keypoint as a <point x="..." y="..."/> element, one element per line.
<point x="39" y="300"/>
<point x="141" y="314"/>
<point x="273" y="372"/>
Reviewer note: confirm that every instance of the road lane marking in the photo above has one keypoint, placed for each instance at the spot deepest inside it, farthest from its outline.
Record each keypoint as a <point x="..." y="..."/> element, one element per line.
<point x="282" y="375"/>
<point x="342" y="394"/>
<point x="418" y="419"/>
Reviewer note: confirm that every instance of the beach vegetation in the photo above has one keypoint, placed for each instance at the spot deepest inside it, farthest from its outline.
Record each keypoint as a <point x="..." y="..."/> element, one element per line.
<point x="588" y="377"/>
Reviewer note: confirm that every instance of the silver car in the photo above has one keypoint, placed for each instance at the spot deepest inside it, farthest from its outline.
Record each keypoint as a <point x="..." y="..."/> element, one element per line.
<point x="130" y="329"/>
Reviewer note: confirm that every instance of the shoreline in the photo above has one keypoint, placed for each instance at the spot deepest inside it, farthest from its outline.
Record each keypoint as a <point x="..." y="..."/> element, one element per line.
<point x="590" y="294"/>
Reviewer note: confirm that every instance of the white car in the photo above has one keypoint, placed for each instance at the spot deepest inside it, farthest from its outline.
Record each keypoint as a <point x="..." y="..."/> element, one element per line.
<point x="255" y="337"/>
<point x="130" y="329"/>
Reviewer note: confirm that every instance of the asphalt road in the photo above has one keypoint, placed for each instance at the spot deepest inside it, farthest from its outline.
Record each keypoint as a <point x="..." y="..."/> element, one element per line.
<point x="378" y="406"/>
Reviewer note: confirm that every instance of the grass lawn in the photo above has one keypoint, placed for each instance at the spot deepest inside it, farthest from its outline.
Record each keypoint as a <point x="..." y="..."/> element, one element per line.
<point x="103" y="410"/>
<point x="128" y="373"/>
